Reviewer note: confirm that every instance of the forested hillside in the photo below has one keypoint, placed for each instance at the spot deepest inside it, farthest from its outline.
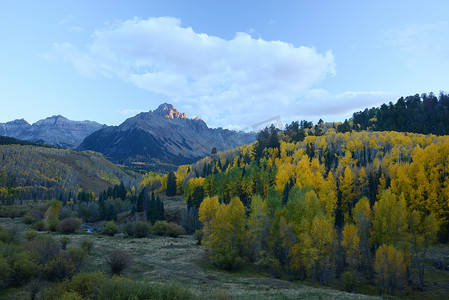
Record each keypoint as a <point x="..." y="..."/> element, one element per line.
<point x="30" y="172"/>
<point x="355" y="201"/>
<point x="427" y="114"/>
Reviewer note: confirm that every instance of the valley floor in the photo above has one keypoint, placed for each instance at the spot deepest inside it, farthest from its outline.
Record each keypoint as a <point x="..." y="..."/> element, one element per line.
<point x="180" y="260"/>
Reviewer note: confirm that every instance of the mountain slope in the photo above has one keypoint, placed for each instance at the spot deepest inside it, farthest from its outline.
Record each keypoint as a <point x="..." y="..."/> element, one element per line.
<point x="56" y="130"/>
<point x="162" y="139"/>
<point x="46" y="173"/>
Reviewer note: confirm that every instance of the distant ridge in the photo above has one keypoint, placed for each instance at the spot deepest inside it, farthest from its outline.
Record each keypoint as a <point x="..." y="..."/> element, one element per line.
<point x="56" y="131"/>
<point x="162" y="139"/>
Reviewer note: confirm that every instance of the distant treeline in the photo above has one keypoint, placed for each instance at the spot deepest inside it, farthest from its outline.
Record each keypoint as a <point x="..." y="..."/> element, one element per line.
<point x="6" y="140"/>
<point x="425" y="114"/>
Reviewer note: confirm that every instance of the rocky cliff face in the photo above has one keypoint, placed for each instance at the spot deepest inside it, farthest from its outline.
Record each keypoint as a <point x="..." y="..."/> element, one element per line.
<point x="57" y="131"/>
<point x="165" y="135"/>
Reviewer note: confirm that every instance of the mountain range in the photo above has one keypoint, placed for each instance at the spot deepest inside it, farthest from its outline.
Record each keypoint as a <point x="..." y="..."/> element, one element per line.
<point x="56" y="130"/>
<point x="155" y="140"/>
<point x="162" y="138"/>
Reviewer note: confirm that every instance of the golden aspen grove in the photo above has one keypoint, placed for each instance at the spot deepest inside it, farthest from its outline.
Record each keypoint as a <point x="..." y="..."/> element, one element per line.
<point x="368" y="203"/>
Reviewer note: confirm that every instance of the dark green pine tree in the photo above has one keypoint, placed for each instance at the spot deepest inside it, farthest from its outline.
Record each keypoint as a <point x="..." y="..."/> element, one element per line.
<point x="140" y="199"/>
<point x="285" y="194"/>
<point x="171" y="184"/>
<point x="197" y="197"/>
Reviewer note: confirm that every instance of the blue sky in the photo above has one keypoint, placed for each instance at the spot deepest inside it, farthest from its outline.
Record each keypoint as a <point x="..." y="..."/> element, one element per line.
<point x="231" y="63"/>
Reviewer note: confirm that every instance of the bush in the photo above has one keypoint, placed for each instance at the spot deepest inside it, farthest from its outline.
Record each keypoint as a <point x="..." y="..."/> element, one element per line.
<point x="52" y="225"/>
<point x="170" y="229"/>
<point x="87" y="245"/>
<point x="118" y="260"/>
<point x="4" y="270"/>
<point x="43" y="248"/>
<point x="86" y="285"/>
<point x="66" y="264"/>
<point x="4" y="235"/>
<point x="39" y="225"/>
<point x="23" y="267"/>
<point x="69" y="225"/>
<point x="226" y="259"/>
<point x="174" y="230"/>
<point x="28" y="219"/>
<point x="31" y="235"/>
<point x="349" y="281"/>
<point x="129" y="229"/>
<point x="37" y="214"/>
<point x="198" y="235"/>
<point x="142" y="229"/>
<point x="109" y="228"/>
<point x="160" y="227"/>
<point x="33" y="287"/>
<point x="64" y="242"/>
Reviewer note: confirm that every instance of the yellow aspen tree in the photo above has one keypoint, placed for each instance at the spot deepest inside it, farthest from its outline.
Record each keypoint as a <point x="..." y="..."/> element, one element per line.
<point x="321" y="258"/>
<point x="363" y="217"/>
<point x="227" y="235"/>
<point x="259" y="227"/>
<point x="206" y="214"/>
<point x="390" y="269"/>
<point x="423" y="233"/>
<point x="351" y="246"/>
<point x="348" y="195"/>
<point x="390" y="220"/>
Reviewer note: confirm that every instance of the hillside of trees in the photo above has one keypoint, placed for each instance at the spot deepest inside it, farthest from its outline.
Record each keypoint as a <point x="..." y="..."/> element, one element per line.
<point x="322" y="205"/>
<point x="426" y="114"/>
<point x="39" y="173"/>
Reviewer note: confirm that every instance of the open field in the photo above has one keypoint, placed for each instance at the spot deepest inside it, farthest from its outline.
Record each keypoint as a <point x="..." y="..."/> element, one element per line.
<point x="180" y="260"/>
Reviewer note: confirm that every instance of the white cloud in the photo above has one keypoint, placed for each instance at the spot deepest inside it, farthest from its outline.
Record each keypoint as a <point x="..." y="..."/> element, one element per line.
<point x="421" y="41"/>
<point x="230" y="83"/>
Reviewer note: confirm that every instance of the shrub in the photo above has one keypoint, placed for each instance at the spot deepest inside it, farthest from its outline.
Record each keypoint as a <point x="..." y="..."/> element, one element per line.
<point x="198" y="235"/>
<point x="31" y="235"/>
<point x="28" y="219"/>
<point x="52" y="225"/>
<point x="174" y="230"/>
<point x="118" y="260"/>
<point x="4" y="236"/>
<point x="39" y="225"/>
<point x="37" y="214"/>
<point x="170" y="229"/>
<point x="87" y="285"/>
<point x="109" y="228"/>
<point x="33" y="287"/>
<point x="226" y="259"/>
<point x="43" y="248"/>
<point x="69" y="225"/>
<point x="66" y="264"/>
<point x="142" y="229"/>
<point x="4" y="270"/>
<point x="349" y="281"/>
<point x="23" y="267"/>
<point x="14" y="234"/>
<point x="64" y="242"/>
<point x="160" y="227"/>
<point x="129" y="229"/>
<point x="87" y="245"/>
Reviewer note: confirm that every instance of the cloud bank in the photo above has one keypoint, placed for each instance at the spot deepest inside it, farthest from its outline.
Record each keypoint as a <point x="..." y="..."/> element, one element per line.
<point x="228" y="83"/>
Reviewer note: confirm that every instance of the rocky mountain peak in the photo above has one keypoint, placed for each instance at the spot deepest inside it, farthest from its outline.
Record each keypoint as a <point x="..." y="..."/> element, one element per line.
<point x="19" y="122"/>
<point x="167" y="110"/>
